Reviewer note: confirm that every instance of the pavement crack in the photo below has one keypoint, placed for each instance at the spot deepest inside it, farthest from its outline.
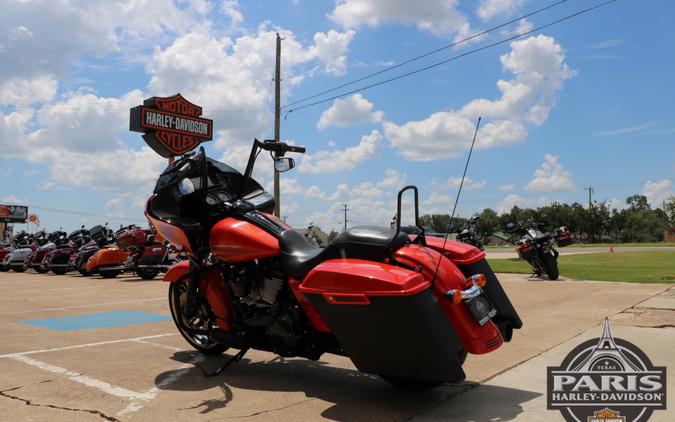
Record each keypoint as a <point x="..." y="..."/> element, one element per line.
<point x="5" y="393"/>
<point x="262" y="412"/>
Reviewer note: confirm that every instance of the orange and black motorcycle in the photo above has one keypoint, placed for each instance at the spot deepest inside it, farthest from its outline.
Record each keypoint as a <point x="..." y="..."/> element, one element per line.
<point x="405" y="307"/>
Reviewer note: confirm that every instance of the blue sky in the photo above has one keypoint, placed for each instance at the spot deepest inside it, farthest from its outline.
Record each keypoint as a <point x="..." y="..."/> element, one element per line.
<point x="588" y="102"/>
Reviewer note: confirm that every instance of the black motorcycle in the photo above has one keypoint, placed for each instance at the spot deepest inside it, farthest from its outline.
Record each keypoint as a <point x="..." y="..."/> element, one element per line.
<point x="536" y="247"/>
<point x="466" y="233"/>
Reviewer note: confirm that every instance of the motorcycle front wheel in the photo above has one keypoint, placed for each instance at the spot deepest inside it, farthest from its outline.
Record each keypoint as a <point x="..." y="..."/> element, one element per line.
<point x="200" y="321"/>
<point x="551" y="266"/>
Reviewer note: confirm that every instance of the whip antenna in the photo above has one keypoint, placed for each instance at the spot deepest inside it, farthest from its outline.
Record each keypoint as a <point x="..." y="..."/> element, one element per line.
<point x="454" y="208"/>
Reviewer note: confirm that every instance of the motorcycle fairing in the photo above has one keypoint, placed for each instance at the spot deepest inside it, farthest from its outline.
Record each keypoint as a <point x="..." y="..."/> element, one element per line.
<point x="381" y="315"/>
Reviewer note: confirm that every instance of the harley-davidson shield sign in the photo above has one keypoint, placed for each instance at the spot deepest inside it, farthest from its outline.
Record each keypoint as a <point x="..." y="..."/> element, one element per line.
<point x="171" y="125"/>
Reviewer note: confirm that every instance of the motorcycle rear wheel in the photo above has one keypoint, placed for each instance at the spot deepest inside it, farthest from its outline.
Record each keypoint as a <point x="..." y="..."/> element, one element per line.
<point x="551" y="266"/>
<point x="201" y="342"/>
<point x="147" y="273"/>
<point x="109" y="273"/>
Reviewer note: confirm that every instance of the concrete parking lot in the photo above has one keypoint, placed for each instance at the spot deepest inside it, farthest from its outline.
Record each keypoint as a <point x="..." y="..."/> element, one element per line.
<point x="76" y="348"/>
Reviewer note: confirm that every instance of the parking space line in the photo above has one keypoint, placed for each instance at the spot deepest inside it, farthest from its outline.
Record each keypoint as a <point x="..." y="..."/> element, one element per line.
<point x="58" y="289"/>
<point x="80" y="346"/>
<point x="90" y="305"/>
<point x="103" y="386"/>
<point x="137" y="405"/>
<point x="163" y="346"/>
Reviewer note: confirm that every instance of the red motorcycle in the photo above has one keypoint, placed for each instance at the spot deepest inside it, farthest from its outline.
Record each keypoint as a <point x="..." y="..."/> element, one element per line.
<point x="405" y="307"/>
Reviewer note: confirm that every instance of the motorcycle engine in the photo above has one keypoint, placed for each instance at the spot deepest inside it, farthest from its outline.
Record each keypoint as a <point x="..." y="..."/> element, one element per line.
<point x="260" y="294"/>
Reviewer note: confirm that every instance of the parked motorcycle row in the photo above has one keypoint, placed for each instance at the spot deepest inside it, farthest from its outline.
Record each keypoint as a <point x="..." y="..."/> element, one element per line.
<point x="94" y="251"/>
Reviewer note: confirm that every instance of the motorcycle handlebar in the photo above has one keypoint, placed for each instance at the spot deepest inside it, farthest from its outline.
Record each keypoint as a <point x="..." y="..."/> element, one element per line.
<point x="281" y="147"/>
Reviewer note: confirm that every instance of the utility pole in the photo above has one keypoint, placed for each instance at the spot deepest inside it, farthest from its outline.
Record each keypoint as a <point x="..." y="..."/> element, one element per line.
<point x="277" y="123"/>
<point x="590" y="191"/>
<point x="345" y="210"/>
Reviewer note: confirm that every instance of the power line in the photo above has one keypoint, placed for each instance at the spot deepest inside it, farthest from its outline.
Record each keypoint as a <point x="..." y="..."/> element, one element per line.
<point x="114" y="110"/>
<point x="434" y="65"/>
<point x="84" y="214"/>
<point x="421" y="56"/>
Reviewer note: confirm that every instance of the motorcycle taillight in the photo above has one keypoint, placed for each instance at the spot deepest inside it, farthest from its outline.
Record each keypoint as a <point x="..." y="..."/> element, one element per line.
<point x="525" y="246"/>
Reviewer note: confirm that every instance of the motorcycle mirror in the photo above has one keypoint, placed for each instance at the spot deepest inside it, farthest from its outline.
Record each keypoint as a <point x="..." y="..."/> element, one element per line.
<point x="284" y="164"/>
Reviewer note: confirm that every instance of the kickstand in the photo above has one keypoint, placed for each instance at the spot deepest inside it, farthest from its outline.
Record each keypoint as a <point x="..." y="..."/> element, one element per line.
<point x="235" y="358"/>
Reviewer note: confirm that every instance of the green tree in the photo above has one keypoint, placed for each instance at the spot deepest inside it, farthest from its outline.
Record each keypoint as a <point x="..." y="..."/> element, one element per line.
<point x="669" y="209"/>
<point x="332" y="235"/>
<point x="488" y="223"/>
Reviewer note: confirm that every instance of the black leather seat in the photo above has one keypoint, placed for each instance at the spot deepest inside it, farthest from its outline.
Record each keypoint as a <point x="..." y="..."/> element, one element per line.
<point x="298" y="256"/>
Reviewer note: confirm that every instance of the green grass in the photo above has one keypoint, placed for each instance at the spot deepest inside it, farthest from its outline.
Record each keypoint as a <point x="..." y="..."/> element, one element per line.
<point x="637" y="267"/>
<point x="602" y="245"/>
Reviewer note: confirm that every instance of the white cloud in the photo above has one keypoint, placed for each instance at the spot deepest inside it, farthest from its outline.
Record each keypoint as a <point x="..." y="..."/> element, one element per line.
<point x="26" y="91"/>
<point x="392" y="179"/>
<point x="43" y="38"/>
<point x="340" y="160"/>
<point x="84" y="122"/>
<point x="7" y="172"/>
<point x="331" y="48"/>
<point x="114" y="208"/>
<point x="350" y="111"/>
<point x="509" y="202"/>
<point x="551" y="177"/>
<point x="521" y="27"/>
<point x="436" y="203"/>
<point x="488" y="9"/>
<point x="454" y="182"/>
<point x="230" y="78"/>
<point x="440" y="17"/>
<point x="622" y="131"/>
<point x="658" y="191"/>
<point x="231" y="9"/>
<point x="507" y="188"/>
<point x="538" y="64"/>
<point x="13" y="200"/>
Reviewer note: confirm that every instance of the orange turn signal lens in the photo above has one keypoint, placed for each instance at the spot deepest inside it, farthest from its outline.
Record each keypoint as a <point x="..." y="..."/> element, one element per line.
<point x="456" y="295"/>
<point x="477" y="279"/>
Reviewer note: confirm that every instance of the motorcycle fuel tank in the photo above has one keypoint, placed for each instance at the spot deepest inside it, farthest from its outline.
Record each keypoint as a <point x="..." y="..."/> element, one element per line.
<point x="234" y="240"/>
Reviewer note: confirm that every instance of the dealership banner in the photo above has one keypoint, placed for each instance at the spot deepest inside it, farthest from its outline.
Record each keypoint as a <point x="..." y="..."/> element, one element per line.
<point x="13" y="213"/>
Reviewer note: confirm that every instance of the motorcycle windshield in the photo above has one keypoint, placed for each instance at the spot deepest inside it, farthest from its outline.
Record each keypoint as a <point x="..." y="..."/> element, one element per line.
<point x="219" y="175"/>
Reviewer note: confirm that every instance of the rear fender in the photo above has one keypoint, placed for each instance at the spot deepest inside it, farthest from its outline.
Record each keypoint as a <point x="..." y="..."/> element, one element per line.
<point x="475" y="338"/>
<point x="215" y="291"/>
<point x="457" y="252"/>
